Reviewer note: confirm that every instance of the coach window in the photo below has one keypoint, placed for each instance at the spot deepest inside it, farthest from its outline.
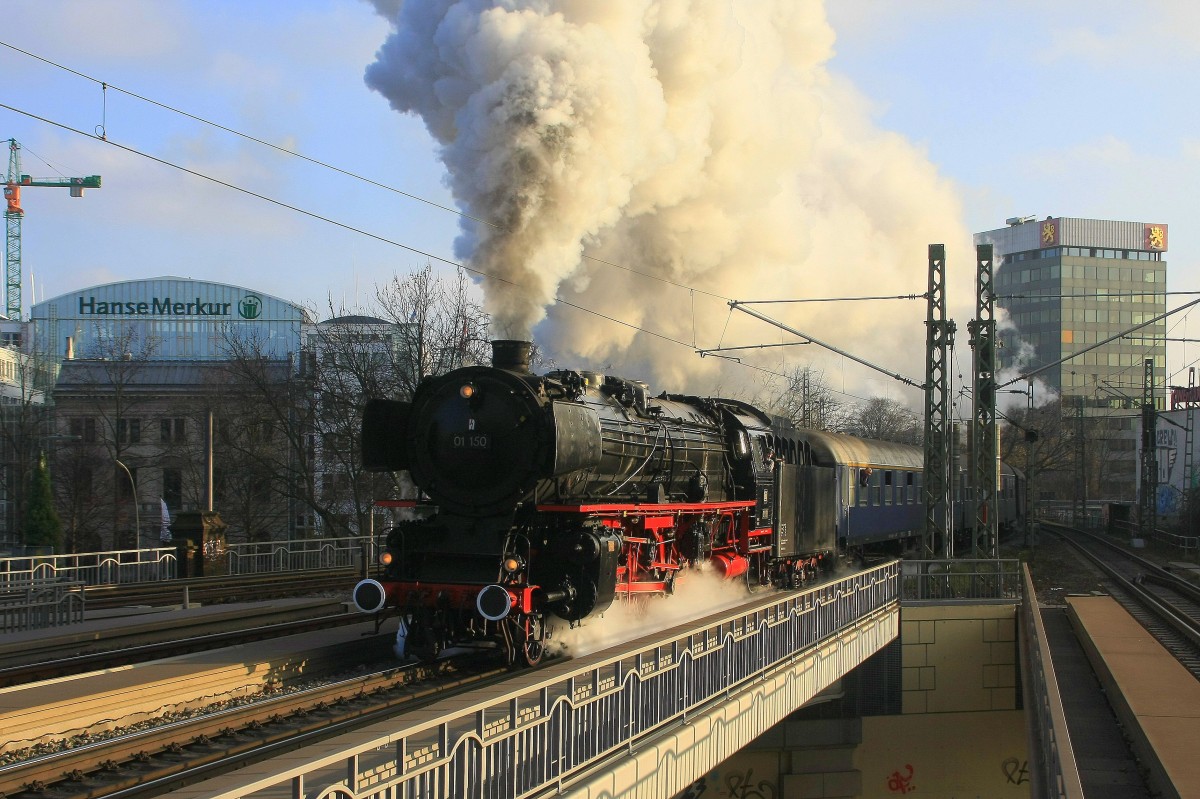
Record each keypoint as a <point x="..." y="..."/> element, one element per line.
<point x="912" y="495"/>
<point x="887" y="487"/>
<point x="864" y="486"/>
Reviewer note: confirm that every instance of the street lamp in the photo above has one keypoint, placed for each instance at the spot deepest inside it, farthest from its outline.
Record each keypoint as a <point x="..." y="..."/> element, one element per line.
<point x="137" y="514"/>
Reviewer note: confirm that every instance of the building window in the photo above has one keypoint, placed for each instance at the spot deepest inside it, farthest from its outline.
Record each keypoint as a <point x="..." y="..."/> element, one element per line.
<point x="84" y="429"/>
<point x="172" y="488"/>
<point x="129" y="431"/>
<point x="173" y="430"/>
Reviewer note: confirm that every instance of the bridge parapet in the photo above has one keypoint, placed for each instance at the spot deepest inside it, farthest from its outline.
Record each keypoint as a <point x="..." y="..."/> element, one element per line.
<point x="545" y="728"/>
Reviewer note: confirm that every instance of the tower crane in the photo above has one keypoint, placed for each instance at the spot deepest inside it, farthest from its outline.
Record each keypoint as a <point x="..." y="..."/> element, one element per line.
<point x="13" y="214"/>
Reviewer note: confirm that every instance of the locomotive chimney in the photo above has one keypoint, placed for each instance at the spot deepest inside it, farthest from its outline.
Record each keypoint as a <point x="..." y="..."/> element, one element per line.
<point x="511" y="354"/>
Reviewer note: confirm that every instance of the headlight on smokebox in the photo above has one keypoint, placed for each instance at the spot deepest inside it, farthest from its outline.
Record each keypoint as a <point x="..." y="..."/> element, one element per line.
<point x="386" y="558"/>
<point x="513" y="564"/>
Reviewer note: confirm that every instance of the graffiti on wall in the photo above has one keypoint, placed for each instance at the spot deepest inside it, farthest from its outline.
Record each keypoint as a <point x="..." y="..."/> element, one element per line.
<point x="902" y="783"/>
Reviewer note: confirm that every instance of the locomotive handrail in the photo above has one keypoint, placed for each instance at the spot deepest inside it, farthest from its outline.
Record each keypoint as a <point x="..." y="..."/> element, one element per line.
<point x="543" y="728"/>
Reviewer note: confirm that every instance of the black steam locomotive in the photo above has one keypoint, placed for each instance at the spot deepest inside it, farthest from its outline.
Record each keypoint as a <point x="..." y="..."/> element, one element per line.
<point x="557" y="494"/>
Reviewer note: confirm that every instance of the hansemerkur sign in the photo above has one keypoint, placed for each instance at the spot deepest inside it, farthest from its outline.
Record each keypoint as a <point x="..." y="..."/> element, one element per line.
<point x="249" y="308"/>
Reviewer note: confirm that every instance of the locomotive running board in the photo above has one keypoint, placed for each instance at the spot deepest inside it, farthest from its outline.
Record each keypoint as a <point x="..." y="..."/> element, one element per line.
<point x="640" y="508"/>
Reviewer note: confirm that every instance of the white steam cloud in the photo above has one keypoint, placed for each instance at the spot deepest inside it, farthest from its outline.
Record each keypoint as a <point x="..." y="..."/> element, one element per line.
<point x="1024" y="357"/>
<point x="703" y="142"/>
<point x="698" y="593"/>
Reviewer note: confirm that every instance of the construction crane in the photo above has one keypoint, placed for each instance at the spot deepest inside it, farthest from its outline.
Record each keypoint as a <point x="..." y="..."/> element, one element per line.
<point x="13" y="214"/>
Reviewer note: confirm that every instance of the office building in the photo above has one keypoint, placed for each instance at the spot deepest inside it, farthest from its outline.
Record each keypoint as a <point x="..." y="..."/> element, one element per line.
<point x="1085" y="287"/>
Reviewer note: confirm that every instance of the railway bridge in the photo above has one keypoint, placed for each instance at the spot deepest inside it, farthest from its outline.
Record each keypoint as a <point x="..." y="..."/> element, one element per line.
<point x="647" y="718"/>
<point x="962" y="651"/>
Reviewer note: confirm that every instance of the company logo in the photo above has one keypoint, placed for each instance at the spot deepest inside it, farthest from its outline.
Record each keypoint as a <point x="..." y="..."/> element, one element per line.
<point x="1049" y="232"/>
<point x="250" y="307"/>
<point x="1155" y="237"/>
<point x="156" y="306"/>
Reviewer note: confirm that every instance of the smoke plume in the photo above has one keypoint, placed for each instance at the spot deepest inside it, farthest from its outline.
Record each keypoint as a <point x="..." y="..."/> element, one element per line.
<point x="648" y="159"/>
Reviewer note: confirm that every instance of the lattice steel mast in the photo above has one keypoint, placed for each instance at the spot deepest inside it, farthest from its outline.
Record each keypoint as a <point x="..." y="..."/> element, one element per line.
<point x="985" y="467"/>
<point x="939" y="337"/>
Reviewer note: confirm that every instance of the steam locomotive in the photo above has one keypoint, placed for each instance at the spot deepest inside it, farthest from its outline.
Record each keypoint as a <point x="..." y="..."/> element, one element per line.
<point x="559" y="494"/>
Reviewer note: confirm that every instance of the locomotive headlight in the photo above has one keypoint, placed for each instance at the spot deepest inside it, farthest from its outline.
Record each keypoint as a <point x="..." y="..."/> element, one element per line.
<point x="466" y="391"/>
<point x="513" y="564"/>
<point x="386" y="558"/>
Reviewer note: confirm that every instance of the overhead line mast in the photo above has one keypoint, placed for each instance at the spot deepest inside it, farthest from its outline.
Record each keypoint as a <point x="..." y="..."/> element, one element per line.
<point x="13" y="213"/>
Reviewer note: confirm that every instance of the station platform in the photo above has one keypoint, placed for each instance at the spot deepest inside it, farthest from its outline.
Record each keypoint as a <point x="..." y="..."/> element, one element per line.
<point x="1153" y="698"/>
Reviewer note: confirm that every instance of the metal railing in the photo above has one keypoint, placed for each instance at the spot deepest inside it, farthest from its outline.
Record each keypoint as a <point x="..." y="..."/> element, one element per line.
<point x="1056" y="774"/>
<point x="90" y="568"/>
<point x="312" y="553"/>
<point x="1188" y="545"/>
<point x="964" y="580"/>
<point x="543" y="728"/>
<point x="35" y="605"/>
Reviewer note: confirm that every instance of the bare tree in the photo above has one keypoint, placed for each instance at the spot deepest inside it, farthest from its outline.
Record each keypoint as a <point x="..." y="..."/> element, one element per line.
<point x="296" y="429"/>
<point x="1044" y="444"/>
<point x="446" y="327"/>
<point x="264" y="417"/>
<point x="886" y="420"/>
<point x="82" y="508"/>
<point x="24" y="428"/>
<point x="809" y="402"/>
<point x="100" y="401"/>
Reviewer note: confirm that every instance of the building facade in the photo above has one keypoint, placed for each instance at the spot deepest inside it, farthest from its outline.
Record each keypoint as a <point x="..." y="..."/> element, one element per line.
<point x="24" y="422"/>
<point x="1081" y="291"/>
<point x="141" y="367"/>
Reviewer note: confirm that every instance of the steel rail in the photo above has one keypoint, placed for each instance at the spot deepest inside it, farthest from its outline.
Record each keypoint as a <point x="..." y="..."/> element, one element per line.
<point x="146" y="762"/>
<point x="1182" y="624"/>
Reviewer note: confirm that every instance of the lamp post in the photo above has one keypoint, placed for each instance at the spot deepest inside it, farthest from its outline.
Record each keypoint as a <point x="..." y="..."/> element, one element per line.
<point x="137" y="514"/>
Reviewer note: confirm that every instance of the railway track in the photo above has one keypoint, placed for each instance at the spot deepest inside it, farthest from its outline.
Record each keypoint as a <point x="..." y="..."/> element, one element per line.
<point x="221" y="589"/>
<point x="44" y="659"/>
<point x="1165" y="604"/>
<point x="162" y="756"/>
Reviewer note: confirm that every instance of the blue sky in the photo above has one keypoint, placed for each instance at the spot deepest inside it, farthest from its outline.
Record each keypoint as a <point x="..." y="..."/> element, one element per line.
<point x="993" y="109"/>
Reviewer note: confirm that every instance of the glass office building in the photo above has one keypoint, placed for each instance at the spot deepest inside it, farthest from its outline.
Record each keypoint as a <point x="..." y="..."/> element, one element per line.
<point x="1086" y="288"/>
<point x="1070" y="284"/>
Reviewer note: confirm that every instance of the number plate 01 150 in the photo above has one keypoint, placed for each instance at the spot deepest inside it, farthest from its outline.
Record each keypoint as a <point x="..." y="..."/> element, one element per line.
<point x="471" y="441"/>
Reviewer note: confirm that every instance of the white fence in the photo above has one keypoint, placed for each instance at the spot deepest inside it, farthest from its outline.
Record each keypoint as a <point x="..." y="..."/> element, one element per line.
<point x="90" y="568"/>
<point x="302" y="554"/>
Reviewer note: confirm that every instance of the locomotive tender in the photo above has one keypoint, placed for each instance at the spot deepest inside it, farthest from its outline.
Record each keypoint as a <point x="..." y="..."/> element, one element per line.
<point x="558" y="494"/>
